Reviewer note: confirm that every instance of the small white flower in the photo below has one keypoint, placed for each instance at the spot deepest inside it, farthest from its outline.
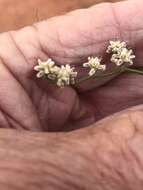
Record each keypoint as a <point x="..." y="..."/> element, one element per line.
<point x="66" y="75"/>
<point x="94" y="63"/>
<point x="116" y="46"/>
<point x="127" y="56"/>
<point x="45" y="67"/>
<point x="123" y="56"/>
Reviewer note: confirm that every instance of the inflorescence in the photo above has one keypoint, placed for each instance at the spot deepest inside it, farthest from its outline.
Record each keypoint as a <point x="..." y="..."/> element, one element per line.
<point x="120" y="53"/>
<point x="65" y="75"/>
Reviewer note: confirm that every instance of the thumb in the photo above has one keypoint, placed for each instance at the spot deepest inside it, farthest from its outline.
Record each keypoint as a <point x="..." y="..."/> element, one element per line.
<point x="112" y="150"/>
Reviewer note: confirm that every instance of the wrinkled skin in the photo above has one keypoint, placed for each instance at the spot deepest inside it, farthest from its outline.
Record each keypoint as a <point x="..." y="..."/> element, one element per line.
<point x="35" y="105"/>
<point x="36" y="101"/>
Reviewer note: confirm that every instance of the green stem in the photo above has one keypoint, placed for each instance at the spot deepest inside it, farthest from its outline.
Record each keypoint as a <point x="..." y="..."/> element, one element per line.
<point x="136" y="71"/>
<point x="119" y="71"/>
<point x="100" y="76"/>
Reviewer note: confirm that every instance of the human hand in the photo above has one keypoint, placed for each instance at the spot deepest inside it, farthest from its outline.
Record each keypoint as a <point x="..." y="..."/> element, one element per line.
<point x="111" y="145"/>
<point x="36" y="102"/>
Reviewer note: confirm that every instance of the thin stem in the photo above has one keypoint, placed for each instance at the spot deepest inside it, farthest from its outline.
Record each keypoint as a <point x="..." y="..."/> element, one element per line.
<point x="119" y="71"/>
<point x="136" y="71"/>
<point x="100" y="76"/>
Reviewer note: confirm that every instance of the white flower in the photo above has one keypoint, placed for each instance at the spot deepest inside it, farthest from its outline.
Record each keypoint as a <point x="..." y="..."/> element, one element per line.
<point x="94" y="63"/>
<point x="123" y="56"/>
<point x="44" y="67"/>
<point x="116" y="46"/>
<point x="66" y="75"/>
<point x="127" y="56"/>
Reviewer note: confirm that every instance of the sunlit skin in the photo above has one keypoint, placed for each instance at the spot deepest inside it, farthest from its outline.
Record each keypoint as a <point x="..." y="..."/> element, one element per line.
<point x="106" y="149"/>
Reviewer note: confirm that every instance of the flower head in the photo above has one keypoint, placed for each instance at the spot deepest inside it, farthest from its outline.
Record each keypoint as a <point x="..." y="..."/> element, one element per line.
<point x="94" y="63"/>
<point x="66" y="75"/>
<point x="45" y="68"/>
<point x="115" y="46"/>
<point x="123" y="56"/>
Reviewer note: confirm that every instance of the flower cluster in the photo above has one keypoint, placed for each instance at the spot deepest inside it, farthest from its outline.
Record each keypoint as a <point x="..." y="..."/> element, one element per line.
<point x="64" y="75"/>
<point x="116" y="46"/>
<point x="120" y="53"/>
<point x="46" y="68"/>
<point x="94" y="63"/>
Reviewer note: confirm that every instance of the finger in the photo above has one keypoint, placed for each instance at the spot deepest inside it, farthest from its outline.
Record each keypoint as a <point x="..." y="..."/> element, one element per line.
<point x="71" y="39"/>
<point x="115" y="148"/>
<point x="91" y="36"/>
<point x="109" y="152"/>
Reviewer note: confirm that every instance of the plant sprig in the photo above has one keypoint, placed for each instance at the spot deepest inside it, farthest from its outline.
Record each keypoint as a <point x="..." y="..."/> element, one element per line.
<point x="65" y="75"/>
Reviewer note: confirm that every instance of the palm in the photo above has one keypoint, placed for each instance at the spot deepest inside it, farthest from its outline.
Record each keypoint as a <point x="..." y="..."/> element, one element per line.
<point x="42" y="106"/>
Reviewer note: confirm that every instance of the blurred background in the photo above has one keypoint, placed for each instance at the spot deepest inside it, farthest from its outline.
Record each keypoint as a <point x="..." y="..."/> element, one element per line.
<point x="18" y="13"/>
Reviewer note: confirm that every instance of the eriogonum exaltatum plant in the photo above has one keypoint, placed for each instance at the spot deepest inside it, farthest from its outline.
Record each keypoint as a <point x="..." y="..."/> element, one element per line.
<point x="66" y="75"/>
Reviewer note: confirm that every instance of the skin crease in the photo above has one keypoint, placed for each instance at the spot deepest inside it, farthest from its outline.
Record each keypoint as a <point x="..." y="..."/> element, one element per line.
<point x="109" y="151"/>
